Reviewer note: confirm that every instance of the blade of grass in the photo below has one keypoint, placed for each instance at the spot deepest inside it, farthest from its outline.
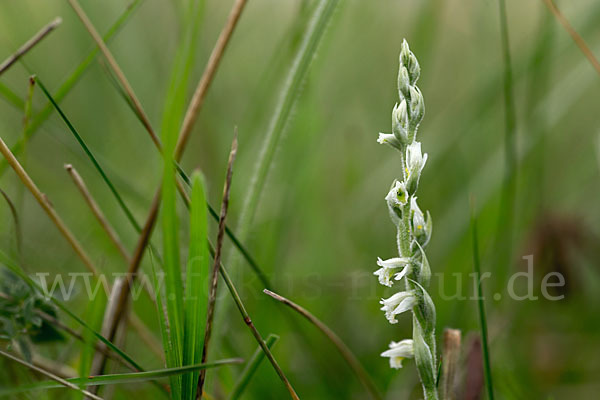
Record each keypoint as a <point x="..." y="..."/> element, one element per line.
<point x="27" y="107"/>
<point x="16" y="222"/>
<point x="99" y="361"/>
<point x="207" y="77"/>
<point x="214" y="276"/>
<point x="29" y="44"/>
<point x="11" y="97"/>
<point x="95" y="208"/>
<point x="69" y="83"/>
<point x="343" y="349"/>
<point x="94" y="312"/>
<point x="115" y="67"/>
<point x="246" y="317"/>
<point x="115" y="379"/>
<point x="47" y="207"/>
<point x="507" y="203"/>
<point x="248" y="321"/>
<point x="481" y="308"/>
<point x="314" y="32"/>
<point x="182" y="332"/>
<point x="81" y="337"/>
<point x="171" y="266"/>
<point x="574" y="35"/>
<point x="90" y="155"/>
<point x="61" y="382"/>
<point x="251" y="368"/>
<point x="196" y="287"/>
<point x="137" y="324"/>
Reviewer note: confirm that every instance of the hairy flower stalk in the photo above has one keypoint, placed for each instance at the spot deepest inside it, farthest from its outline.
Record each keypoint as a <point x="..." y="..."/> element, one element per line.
<point x="414" y="232"/>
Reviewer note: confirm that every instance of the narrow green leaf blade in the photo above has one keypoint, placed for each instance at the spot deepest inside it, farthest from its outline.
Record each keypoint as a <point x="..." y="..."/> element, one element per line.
<point x="197" y="278"/>
<point x="113" y="379"/>
<point x="251" y="368"/>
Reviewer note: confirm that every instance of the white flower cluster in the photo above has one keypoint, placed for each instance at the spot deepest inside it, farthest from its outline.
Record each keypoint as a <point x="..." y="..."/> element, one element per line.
<point x="414" y="231"/>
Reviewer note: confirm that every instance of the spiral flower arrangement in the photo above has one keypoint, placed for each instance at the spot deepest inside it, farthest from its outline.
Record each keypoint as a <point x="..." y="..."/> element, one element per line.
<point x="410" y="267"/>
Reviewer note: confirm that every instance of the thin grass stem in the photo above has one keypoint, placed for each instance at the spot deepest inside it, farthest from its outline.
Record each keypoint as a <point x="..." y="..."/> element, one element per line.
<point x="6" y="64"/>
<point x="43" y="201"/>
<point x="289" y="94"/>
<point x="251" y="368"/>
<point x="481" y="308"/>
<point x="108" y="229"/>
<point x="339" y="344"/>
<point x="574" y="35"/>
<point x="116" y="69"/>
<point x="214" y="277"/>
<point x="59" y="380"/>
<point x="207" y="77"/>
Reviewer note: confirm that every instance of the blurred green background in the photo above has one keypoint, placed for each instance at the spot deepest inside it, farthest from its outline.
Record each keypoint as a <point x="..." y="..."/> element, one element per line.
<point x="321" y="221"/>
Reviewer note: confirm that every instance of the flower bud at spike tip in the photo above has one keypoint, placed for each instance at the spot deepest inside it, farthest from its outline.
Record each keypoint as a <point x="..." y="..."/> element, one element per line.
<point x="408" y="59"/>
<point x="400" y="122"/>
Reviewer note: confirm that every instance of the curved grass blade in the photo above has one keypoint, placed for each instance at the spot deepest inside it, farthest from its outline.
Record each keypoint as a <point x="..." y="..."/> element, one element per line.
<point x="574" y="35"/>
<point x="58" y="381"/>
<point x="346" y="353"/>
<point x="248" y="321"/>
<point x="90" y="155"/>
<point x="11" y="97"/>
<point x="251" y="368"/>
<point x="505" y="223"/>
<point x="115" y="379"/>
<point x="30" y="44"/>
<point x="16" y="221"/>
<point x="95" y="311"/>
<point x="481" y="308"/>
<point x="316" y="28"/>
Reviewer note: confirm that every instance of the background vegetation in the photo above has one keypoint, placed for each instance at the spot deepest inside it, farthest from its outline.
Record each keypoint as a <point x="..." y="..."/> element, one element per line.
<point x="321" y="220"/>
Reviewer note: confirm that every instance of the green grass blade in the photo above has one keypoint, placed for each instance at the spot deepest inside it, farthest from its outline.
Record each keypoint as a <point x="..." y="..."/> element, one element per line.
<point x="480" y="305"/>
<point x="251" y="368"/>
<point x="173" y="114"/>
<point x="95" y="313"/>
<point x="115" y="379"/>
<point x="508" y="198"/>
<point x="316" y="28"/>
<point x="197" y="277"/>
<point x="59" y="381"/>
<point x="11" y="97"/>
<point x="68" y="84"/>
<point x="172" y="268"/>
<point x="90" y="155"/>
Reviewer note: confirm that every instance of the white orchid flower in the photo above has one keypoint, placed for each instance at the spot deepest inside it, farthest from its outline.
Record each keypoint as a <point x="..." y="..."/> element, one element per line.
<point x="397" y="304"/>
<point x="389" y="268"/>
<point x="415" y="161"/>
<point x="398" y="351"/>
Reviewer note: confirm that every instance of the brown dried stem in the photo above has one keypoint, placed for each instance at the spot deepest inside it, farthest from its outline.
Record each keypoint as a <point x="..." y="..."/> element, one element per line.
<point x="29" y="44"/>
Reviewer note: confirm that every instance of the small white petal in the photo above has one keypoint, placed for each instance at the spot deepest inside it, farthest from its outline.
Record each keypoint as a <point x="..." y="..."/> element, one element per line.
<point x="385" y="276"/>
<point x="398" y="351"/>
<point x="397" y="304"/>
